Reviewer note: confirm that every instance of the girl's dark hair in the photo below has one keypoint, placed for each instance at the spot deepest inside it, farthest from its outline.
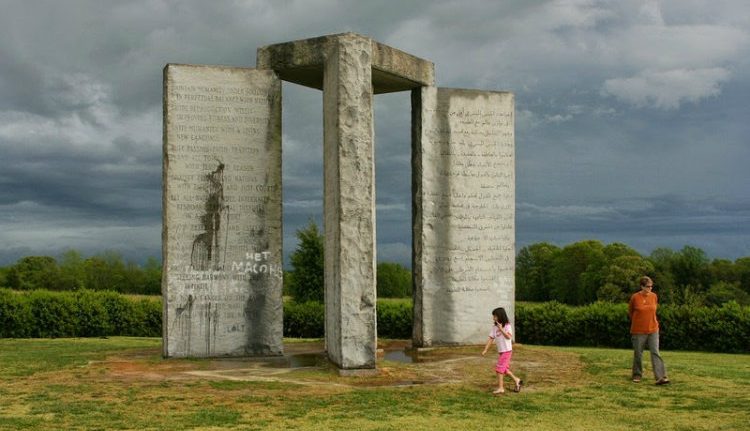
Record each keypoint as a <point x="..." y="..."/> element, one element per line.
<point x="501" y="315"/>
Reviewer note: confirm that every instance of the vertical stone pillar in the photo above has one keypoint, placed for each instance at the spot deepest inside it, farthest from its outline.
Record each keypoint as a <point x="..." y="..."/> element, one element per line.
<point x="349" y="68"/>
<point x="463" y="213"/>
<point x="222" y="231"/>
<point x="349" y="195"/>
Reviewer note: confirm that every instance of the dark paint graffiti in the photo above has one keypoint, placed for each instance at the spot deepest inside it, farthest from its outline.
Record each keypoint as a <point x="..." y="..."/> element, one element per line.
<point x="209" y="248"/>
<point x="212" y="322"/>
<point x="183" y="321"/>
<point x="208" y="322"/>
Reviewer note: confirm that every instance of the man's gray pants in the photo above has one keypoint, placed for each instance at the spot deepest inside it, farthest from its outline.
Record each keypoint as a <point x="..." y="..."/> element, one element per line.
<point x="639" y="342"/>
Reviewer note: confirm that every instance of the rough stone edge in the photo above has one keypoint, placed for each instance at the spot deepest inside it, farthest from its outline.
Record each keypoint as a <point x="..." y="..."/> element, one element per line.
<point x="296" y="53"/>
<point x="418" y="338"/>
<point x="314" y="52"/>
<point x="165" y="230"/>
<point x="421" y="340"/>
<point x="338" y="234"/>
<point x="164" y="233"/>
<point x="402" y="64"/>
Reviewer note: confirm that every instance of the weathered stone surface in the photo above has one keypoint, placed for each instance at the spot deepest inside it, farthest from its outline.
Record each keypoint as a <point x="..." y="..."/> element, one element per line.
<point x="222" y="233"/>
<point x="349" y="194"/>
<point x="222" y="201"/>
<point x="464" y="213"/>
<point x="303" y="62"/>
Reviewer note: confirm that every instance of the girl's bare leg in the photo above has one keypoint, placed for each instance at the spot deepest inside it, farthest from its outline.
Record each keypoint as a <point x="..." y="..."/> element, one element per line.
<point x="516" y="380"/>
<point x="513" y="376"/>
<point x="500" y="385"/>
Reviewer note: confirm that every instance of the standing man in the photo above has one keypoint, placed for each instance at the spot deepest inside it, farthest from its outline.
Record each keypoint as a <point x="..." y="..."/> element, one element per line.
<point x="644" y="328"/>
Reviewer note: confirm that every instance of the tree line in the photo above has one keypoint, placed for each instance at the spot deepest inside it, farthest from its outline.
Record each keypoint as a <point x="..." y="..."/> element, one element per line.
<point x="580" y="273"/>
<point x="589" y="271"/>
<point x="577" y="274"/>
<point x="305" y="281"/>
<point x="72" y="271"/>
<point x="110" y="271"/>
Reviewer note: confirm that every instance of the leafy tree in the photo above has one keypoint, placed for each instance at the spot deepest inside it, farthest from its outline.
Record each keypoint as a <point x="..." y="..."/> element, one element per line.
<point x="152" y="277"/>
<point x="134" y="279"/>
<point x="723" y="292"/>
<point x="534" y="271"/>
<point x="287" y="288"/>
<point x="585" y="271"/>
<point x="690" y="268"/>
<point x="690" y="296"/>
<point x="96" y="273"/>
<point x="663" y="261"/>
<point x="664" y="286"/>
<point x="72" y="271"/>
<point x="4" y="276"/>
<point x="576" y="272"/>
<point x="663" y="258"/>
<point x="34" y="272"/>
<point x="742" y="266"/>
<point x="612" y="259"/>
<point x="306" y="283"/>
<point x="723" y="270"/>
<point x="617" y="249"/>
<point x="393" y="281"/>
<point x="622" y="277"/>
<point x="107" y="271"/>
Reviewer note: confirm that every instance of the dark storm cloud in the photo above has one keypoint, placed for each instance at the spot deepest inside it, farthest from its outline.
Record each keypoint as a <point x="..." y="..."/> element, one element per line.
<point x="120" y="181"/>
<point x="717" y="226"/>
<point x="631" y="116"/>
<point x="20" y="84"/>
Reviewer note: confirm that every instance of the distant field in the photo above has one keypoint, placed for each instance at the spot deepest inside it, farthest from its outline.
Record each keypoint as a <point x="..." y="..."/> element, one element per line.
<point x="123" y="383"/>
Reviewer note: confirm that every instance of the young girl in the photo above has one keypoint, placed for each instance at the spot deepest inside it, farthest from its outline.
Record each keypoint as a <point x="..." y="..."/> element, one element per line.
<point x="501" y="334"/>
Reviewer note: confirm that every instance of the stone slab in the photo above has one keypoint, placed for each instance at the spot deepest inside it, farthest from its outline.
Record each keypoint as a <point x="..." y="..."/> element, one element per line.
<point x="303" y="62"/>
<point x="349" y="210"/>
<point x="464" y="213"/>
<point x="222" y="231"/>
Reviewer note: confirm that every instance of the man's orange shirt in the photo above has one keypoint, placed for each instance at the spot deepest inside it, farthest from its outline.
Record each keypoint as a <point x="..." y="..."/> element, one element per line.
<point x="642" y="312"/>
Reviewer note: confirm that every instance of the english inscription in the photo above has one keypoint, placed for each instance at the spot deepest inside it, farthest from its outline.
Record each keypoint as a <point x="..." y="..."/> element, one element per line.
<point x="222" y="206"/>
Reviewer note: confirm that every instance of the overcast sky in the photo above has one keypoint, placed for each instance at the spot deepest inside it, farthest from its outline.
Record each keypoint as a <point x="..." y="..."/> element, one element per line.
<point x="633" y="117"/>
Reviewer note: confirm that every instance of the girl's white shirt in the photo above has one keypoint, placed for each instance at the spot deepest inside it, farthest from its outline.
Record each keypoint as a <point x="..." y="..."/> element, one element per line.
<point x="503" y="344"/>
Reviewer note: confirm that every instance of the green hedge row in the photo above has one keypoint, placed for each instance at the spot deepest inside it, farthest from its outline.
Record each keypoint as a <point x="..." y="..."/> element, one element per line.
<point x="306" y="320"/>
<point x="552" y="323"/>
<point x="715" y="329"/>
<point x="84" y="313"/>
<point x="44" y="314"/>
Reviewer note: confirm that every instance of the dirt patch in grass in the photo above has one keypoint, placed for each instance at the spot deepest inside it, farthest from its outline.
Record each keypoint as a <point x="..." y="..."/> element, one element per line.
<point x="133" y="387"/>
<point x="143" y="365"/>
<point x="304" y="363"/>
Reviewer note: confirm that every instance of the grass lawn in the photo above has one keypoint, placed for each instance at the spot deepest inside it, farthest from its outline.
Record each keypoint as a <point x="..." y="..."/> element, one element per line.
<point x="123" y="383"/>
